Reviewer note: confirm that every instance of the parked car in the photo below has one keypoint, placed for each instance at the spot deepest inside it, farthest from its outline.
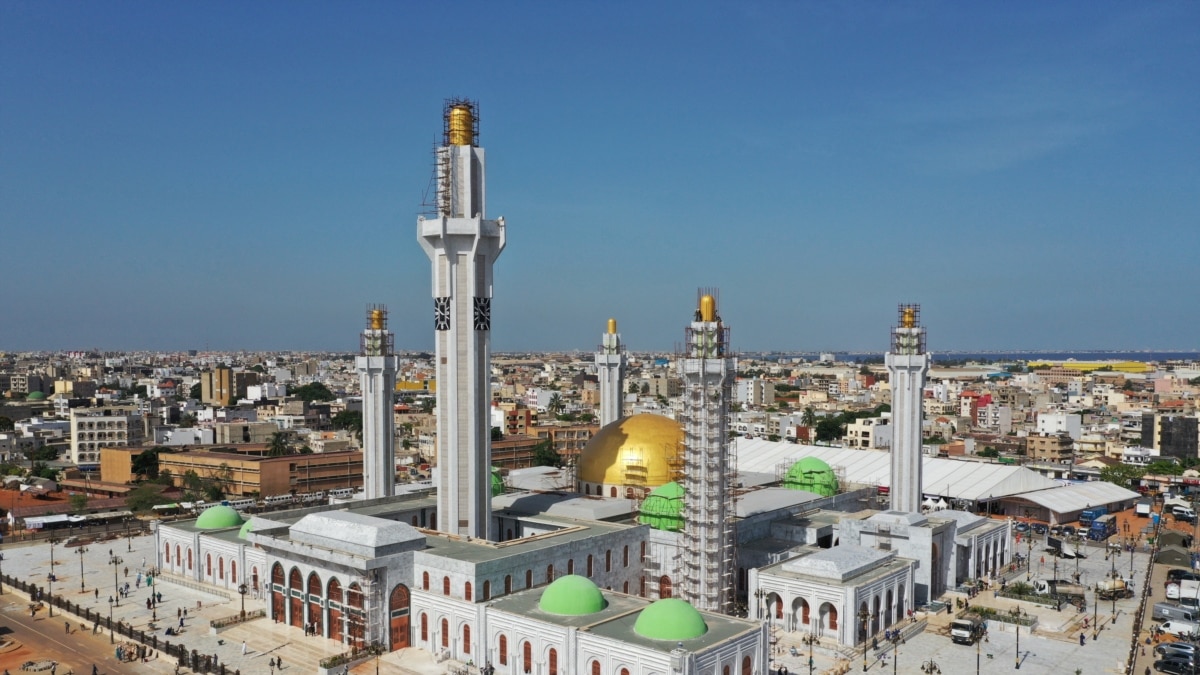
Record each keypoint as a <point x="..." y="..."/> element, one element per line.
<point x="1178" y="628"/>
<point x="1178" y="574"/>
<point x="1173" y="667"/>
<point x="1169" y="648"/>
<point x="1021" y="527"/>
<point x="1039" y="528"/>
<point x="1068" y="529"/>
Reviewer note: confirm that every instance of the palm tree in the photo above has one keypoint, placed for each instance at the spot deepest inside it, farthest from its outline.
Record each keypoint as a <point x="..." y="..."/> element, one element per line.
<point x="279" y="445"/>
<point x="556" y="405"/>
<point x="809" y="418"/>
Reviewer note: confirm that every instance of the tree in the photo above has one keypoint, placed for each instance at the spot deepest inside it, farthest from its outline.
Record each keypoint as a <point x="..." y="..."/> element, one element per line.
<point x="187" y="421"/>
<point x="497" y="434"/>
<point x="78" y="502"/>
<point x="556" y="405"/>
<point x="809" y="418"/>
<point x="279" y="445"/>
<point x="351" y="420"/>
<point x="144" y="497"/>
<point x="195" y="392"/>
<point x="1122" y="474"/>
<point x="428" y="404"/>
<point x="829" y="429"/>
<point x="1164" y="468"/>
<point x="6" y="424"/>
<point x="634" y="388"/>
<point x="41" y="470"/>
<point x="544" y="454"/>
<point x="145" y="464"/>
<point x="313" y="391"/>
<point x="989" y="451"/>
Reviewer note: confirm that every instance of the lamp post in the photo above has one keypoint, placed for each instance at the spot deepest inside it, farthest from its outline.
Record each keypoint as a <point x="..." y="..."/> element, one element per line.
<point x="128" y="537"/>
<point x="930" y="666"/>
<point x="115" y="561"/>
<point x="50" y="577"/>
<point x="111" y="639"/>
<point x="863" y="616"/>
<point x="1028" y="546"/>
<point x="1" y="572"/>
<point x="243" y="589"/>
<point x="1017" y="658"/>
<point x="80" y="551"/>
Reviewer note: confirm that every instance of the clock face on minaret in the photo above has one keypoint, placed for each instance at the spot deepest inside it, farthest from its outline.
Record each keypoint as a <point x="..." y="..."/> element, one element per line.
<point x="483" y="313"/>
<point x="441" y="313"/>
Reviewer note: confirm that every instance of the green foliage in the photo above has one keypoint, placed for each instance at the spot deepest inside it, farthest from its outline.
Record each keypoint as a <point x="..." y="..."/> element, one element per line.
<point x="314" y="391"/>
<point x="306" y="450"/>
<point x="6" y="424"/>
<point x="428" y="403"/>
<point x="989" y="451"/>
<point x="1164" y="468"/>
<point x="78" y="502"/>
<point x="279" y="445"/>
<point x="41" y="470"/>
<point x="43" y="454"/>
<point x="1194" y="381"/>
<point x="11" y="470"/>
<point x="774" y="438"/>
<point x="544" y="454"/>
<point x="351" y="420"/>
<point x="165" y="478"/>
<point x="809" y="418"/>
<point x="1122" y="474"/>
<point x="829" y="429"/>
<point x="195" y="391"/>
<point x="556" y="405"/>
<point x="634" y="388"/>
<point x="187" y="421"/>
<point x="145" y="464"/>
<point x="213" y="493"/>
<point x="140" y="391"/>
<point x="497" y="434"/>
<point x="144" y="497"/>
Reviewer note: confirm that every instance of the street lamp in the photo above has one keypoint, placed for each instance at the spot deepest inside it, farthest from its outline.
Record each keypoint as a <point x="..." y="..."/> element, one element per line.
<point x="80" y="551"/>
<point x="128" y="537"/>
<point x="863" y="616"/>
<point x="111" y="639"/>
<point x="930" y="666"/>
<point x="50" y="577"/>
<point x="1" y="572"/>
<point x="1028" y="546"/>
<point x="243" y="589"/>
<point x="1017" y="613"/>
<point x="115" y="561"/>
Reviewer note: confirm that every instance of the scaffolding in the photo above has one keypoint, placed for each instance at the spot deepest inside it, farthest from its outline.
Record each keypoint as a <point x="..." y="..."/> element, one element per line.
<point x="707" y="547"/>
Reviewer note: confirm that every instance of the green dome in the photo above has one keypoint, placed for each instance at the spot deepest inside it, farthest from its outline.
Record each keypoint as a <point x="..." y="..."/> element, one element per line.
<point x="663" y="508"/>
<point x="497" y="482"/>
<point x="572" y="595"/>
<point x="218" y="518"/>
<point x="813" y="475"/>
<point x="35" y="396"/>
<point x="670" y="619"/>
<point x="245" y="529"/>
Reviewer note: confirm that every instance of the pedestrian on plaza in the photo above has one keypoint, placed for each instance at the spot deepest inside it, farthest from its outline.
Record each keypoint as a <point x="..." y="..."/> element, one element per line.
<point x="243" y="647"/>
<point x="143" y="563"/>
<point x="272" y="663"/>
<point x="67" y="626"/>
<point x="158" y="597"/>
<point x="126" y="571"/>
<point x="178" y="612"/>
<point x="95" y="671"/>
<point x="97" y="593"/>
<point x="279" y="662"/>
<point x="1082" y="639"/>
<point x="181" y="622"/>
<point x="198" y="605"/>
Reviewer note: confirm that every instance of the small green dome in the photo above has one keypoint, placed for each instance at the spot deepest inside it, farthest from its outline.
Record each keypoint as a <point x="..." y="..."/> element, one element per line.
<point x="813" y="475"/>
<point x="572" y="595"/>
<point x="218" y="518"/>
<point x="663" y="508"/>
<point x="245" y="528"/>
<point x="35" y="396"/>
<point x="497" y="482"/>
<point x="670" y="619"/>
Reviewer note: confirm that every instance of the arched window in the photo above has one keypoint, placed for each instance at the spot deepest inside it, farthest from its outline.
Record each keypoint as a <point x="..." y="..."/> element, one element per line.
<point x="414" y="521"/>
<point x="233" y="571"/>
<point x="804" y="612"/>
<point x="445" y="634"/>
<point x="608" y="560"/>
<point x="549" y="573"/>
<point x="166" y="553"/>
<point x="208" y="565"/>
<point x="747" y="667"/>
<point x="553" y="658"/>
<point x="778" y="607"/>
<point x="277" y="575"/>
<point x="178" y="557"/>
<point x="425" y="580"/>
<point x="527" y="657"/>
<point x="487" y="589"/>
<point x="643" y="551"/>
<point x="189" y="558"/>
<point x="528" y="578"/>
<point x="424" y="628"/>
<point x="833" y="618"/>
<point x="571" y="566"/>
<point x="612" y="492"/>
<point x="595" y="668"/>
<point x="642" y="586"/>
<point x="625" y="588"/>
<point x="503" y="649"/>
<point x="624" y="671"/>
<point x="467" y="591"/>
<point x="589" y="565"/>
<point x="725" y="670"/>
<point x="507" y="584"/>
<point x="664" y="587"/>
<point x="221" y="568"/>
<point x="625" y="556"/>
<point x="445" y="585"/>
<point x="466" y="638"/>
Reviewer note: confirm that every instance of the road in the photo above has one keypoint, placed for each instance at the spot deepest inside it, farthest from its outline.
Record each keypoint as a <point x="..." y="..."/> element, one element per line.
<point x="44" y="638"/>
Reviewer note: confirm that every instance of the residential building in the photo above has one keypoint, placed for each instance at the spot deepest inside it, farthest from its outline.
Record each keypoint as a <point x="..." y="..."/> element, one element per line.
<point x="96" y="428"/>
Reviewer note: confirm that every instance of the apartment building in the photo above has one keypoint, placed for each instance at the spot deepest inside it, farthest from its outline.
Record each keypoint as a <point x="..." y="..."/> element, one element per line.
<point x="1052" y="448"/>
<point x="96" y="428"/>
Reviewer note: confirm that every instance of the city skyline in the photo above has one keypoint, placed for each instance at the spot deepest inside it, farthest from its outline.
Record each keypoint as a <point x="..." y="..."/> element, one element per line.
<point x="224" y="177"/>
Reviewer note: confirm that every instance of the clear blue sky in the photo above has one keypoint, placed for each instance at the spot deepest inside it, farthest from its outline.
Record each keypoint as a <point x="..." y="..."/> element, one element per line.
<point x="248" y="174"/>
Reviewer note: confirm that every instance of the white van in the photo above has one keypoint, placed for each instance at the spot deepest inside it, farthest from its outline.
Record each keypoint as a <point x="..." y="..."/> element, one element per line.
<point x="1179" y="628"/>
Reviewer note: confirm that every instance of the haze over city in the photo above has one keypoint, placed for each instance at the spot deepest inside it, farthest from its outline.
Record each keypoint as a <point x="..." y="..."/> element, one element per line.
<point x="232" y="176"/>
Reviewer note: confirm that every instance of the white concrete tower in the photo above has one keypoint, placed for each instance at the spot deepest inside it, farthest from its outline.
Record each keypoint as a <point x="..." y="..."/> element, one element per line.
<point x="377" y="365"/>
<point x="462" y="245"/>
<point x="907" y="365"/>
<point x="610" y="370"/>
<point x="708" y="372"/>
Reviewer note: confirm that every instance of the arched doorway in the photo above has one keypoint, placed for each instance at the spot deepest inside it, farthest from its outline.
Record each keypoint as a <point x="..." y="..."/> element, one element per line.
<point x="295" y="598"/>
<point x="875" y="615"/>
<point x="334" y="598"/>
<point x="277" y="592"/>
<point x="398" y="613"/>
<point x="889" y="609"/>
<point x="862" y="627"/>
<point x="800" y="614"/>
<point x="314" y="601"/>
<point x="664" y="587"/>
<point x="354" y="611"/>
<point x="827" y="619"/>
<point x="901" y="608"/>
<point x="935" y="574"/>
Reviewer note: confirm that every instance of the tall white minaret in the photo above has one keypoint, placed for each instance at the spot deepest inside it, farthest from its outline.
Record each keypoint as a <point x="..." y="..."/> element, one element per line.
<point x="907" y="365"/>
<point x="610" y="370"/>
<point x="376" y="365"/>
<point x="462" y="245"/>
<point x="708" y="372"/>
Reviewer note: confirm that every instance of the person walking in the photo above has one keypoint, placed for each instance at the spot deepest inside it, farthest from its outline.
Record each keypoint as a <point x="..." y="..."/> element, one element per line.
<point x="67" y="626"/>
<point x="243" y="647"/>
<point x="97" y="590"/>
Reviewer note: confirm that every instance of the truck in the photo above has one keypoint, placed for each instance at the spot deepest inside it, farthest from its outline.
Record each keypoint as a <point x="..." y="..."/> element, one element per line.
<point x="1086" y="518"/>
<point x="1113" y="589"/>
<point x="1187" y="590"/>
<point x="1063" y="549"/>
<point x="1142" y="509"/>
<point x="1102" y="528"/>
<point x="967" y="630"/>
<point x="1059" y="588"/>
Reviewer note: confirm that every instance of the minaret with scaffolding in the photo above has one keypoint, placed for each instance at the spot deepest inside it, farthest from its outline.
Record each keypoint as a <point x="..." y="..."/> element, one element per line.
<point x="610" y="371"/>
<point x="377" y="365"/>
<point x="708" y="371"/>
<point x="462" y="245"/>
<point x="907" y="363"/>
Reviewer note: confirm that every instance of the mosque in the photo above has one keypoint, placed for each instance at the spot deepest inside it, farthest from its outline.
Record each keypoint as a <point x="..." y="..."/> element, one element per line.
<point x="660" y="561"/>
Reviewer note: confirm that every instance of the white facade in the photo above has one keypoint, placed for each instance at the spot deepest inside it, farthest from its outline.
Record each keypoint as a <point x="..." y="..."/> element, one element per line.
<point x="610" y="371"/>
<point x="1056" y="423"/>
<point x="907" y="365"/>
<point x="95" y="428"/>
<point x="376" y="368"/>
<point x="462" y="246"/>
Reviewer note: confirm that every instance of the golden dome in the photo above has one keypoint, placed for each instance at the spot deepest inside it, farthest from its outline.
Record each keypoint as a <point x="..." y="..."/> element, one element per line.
<point x="643" y="450"/>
